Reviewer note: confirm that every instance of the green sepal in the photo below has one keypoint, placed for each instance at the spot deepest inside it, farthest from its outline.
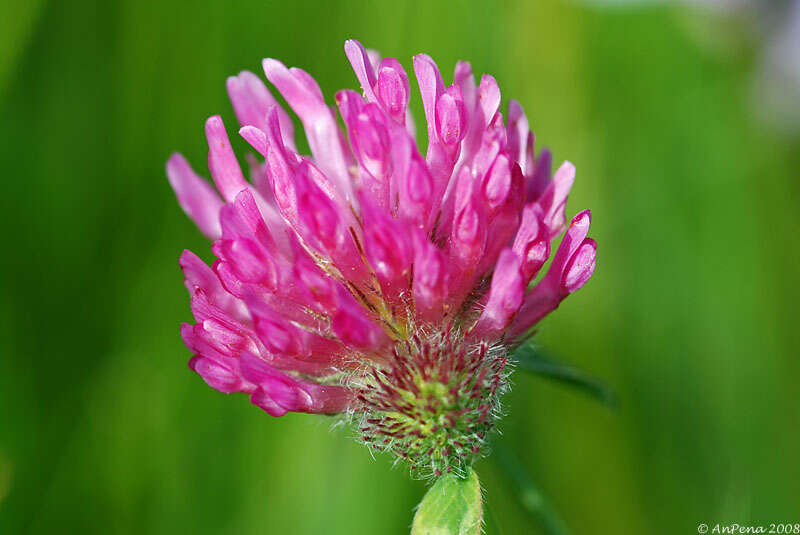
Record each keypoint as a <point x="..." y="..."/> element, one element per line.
<point x="452" y="506"/>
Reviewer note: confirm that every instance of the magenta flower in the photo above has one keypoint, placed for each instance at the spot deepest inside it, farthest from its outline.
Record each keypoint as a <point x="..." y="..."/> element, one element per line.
<point x="369" y="280"/>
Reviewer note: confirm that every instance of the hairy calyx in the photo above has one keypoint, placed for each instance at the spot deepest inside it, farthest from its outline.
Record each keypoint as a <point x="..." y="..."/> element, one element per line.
<point x="435" y="403"/>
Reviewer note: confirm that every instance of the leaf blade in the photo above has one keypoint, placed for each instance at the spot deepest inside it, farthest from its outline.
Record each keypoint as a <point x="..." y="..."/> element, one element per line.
<point x="452" y="506"/>
<point x="533" y="361"/>
<point x="530" y="497"/>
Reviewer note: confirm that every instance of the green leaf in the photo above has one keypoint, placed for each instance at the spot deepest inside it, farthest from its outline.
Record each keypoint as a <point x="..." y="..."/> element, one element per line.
<point x="530" y="497"/>
<point x="452" y="506"/>
<point x="531" y="360"/>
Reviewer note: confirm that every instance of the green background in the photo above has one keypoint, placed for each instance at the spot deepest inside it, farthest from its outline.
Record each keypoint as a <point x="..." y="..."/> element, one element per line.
<point x="691" y="315"/>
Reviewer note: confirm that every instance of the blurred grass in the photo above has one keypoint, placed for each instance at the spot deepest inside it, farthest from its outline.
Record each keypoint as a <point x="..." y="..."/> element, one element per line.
<point x="690" y="316"/>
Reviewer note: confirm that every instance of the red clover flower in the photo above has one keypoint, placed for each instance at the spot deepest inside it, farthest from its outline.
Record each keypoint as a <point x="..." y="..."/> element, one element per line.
<point x="366" y="279"/>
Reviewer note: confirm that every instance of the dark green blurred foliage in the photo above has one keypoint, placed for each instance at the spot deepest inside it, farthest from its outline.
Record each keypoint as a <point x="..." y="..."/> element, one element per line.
<point x="691" y="315"/>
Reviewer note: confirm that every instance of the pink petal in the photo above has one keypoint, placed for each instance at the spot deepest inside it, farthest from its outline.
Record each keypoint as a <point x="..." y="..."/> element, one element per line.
<point x="553" y="200"/>
<point x="256" y="137"/>
<point x="326" y="227"/>
<point x="324" y="138"/>
<point x="275" y="392"/>
<point x="503" y="208"/>
<point x="278" y="393"/>
<point x="363" y="68"/>
<point x="369" y="130"/>
<point x="197" y="198"/>
<point x="393" y="90"/>
<point x="431" y="87"/>
<point x="505" y="295"/>
<point x="573" y="238"/>
<point x="539" y="178"/>
<point x="417" y="194"/>
<point x="531" y="244"/>
<point x="497" y="183"/>
<point x="468" y="235"/>
<point x="244" y="218"/>
<point x="581" y="267"/>
<point x="451" y="116"/>
<point x="430" y="278"/>
<point x="250" y="262"/>
<point x="562" y="277"/>
<point x="314" y="286"/>
<point x="463" y="78"/>
<point x="488" y="97"/>
<point x="222" y="162"/>
<point x="518" y="134"/>
<point x="199" y="278"/>
<point x="388" y="249"/>
<point x="251" y="99"/>
<point x="217" y="375"/>
<point x="354" y="328"/>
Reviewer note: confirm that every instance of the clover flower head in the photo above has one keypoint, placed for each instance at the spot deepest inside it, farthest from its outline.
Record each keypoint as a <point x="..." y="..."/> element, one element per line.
<point x="367" y="279"/>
